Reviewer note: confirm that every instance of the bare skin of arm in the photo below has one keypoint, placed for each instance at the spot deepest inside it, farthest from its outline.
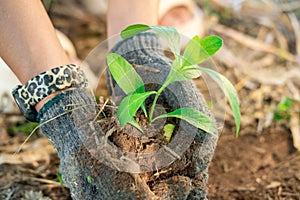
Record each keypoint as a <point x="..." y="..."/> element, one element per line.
<point x="122" y="13"/>
<point x="28" y="43"/>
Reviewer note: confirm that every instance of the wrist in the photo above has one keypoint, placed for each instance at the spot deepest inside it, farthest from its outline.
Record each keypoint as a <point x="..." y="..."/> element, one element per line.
<point x="41" y="103"/>
<point x="65" y="101"/>
<point x="33" y="95"/>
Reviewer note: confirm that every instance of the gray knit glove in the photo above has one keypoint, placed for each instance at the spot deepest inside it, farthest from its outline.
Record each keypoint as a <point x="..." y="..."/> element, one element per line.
<point x="71" y="125"/>
<point x="63" y="120"/>
<point x="145" y="52"/>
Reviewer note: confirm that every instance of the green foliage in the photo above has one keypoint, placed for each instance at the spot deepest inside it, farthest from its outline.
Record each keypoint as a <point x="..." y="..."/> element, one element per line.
<point x="59" y="178"/>
<point x="168" y="131"/>
<point x="183" y="68"/>
<point x="169" y="34"/>
<point x="89" y="179"/>
<point x="229" y="92"/>
<point x="124" y="74"/>
<point x="129" y="105"/>
<point x="133" y="30"/>
<point x="283" y="109"/>
<point x="198" y="50"/>
<point x="25" y="128"/>
<point x="194" y="117"/>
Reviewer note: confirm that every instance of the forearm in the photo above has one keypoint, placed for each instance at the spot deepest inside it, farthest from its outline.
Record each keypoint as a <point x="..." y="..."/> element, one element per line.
<point x="122" y="13"/>
<point x="28" y="43"/>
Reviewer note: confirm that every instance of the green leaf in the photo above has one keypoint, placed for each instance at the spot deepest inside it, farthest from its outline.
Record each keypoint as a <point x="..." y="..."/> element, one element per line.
<point x="168" y="129"/>
<point x="187" y="73"/>
<point x="124" y="74"/>
<point x="198" y="50"/>
<point x="129" y="105"/>
<point x="133" y="30"/>
<point x="135" y="124"/>
<point x="191" y="72"/>
<point x="283" y="109"/>
<point x="285" y="105"/>
<point x="194" y="117"/>
<point x="167" y="33"/>
<point x="89" y="179"/>
<point x="278" y="117"/>
<point x="171" y="36"/>
<point x="211" y="44"/>
<point x="229" y="92"/>
<point x="59" y="178"/>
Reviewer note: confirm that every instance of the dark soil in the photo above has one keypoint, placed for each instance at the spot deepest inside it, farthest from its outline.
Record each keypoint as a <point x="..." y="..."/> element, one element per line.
<point x="177" y="178"/>
<point x="256" y="167"/>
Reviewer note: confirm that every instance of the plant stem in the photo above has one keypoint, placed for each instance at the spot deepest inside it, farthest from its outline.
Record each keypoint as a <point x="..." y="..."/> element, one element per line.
<point x="169" y="80"/>
<point x="155" y="100"/>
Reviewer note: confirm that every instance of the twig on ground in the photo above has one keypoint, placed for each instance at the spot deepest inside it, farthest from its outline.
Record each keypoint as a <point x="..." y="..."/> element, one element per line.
<point x="42" y="180"/>
<point x="252" y="42"/>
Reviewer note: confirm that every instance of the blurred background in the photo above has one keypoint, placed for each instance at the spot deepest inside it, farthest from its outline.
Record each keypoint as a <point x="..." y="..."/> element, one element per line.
<point x="260" y="56"/>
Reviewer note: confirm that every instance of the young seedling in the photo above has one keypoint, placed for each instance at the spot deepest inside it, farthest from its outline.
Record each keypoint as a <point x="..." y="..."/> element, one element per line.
<point x="284" y="109"/>
<point x="184" y="67"/>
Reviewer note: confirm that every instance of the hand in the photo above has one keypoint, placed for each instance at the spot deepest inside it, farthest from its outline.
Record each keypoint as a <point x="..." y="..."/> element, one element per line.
<point x="195" y="147"/>
<point x="63" y="124"/>
<point x="81" y="145"/>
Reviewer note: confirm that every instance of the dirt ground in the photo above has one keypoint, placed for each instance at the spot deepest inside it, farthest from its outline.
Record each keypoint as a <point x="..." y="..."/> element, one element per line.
<point x="260" y="56"/>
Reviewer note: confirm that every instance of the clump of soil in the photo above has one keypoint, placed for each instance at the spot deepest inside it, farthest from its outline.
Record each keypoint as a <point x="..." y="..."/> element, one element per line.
<point x="132" y="140"/>
<point x="179" y="177"/>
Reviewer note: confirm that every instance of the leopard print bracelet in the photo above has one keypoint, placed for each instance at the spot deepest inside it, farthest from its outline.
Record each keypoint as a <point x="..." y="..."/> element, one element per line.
<point x="46" y="83"/>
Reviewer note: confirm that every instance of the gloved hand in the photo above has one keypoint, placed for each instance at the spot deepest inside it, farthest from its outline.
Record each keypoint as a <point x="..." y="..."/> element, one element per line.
<point x="63" y="123"/>
<point x="71" y="127"/>
<point x="145" y="52"/>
